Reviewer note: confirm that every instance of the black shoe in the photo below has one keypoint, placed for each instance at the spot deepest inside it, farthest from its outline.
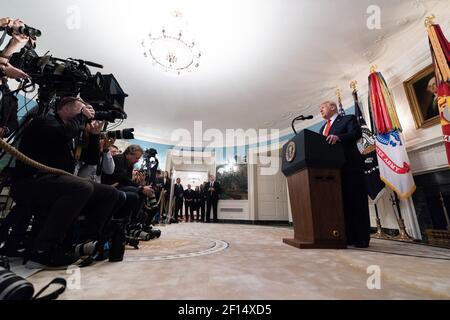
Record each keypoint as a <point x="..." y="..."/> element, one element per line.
<point x="49" y="259"/>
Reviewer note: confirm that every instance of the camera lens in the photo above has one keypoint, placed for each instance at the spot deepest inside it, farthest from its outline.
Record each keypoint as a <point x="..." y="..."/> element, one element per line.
<point x="13" y="287"/>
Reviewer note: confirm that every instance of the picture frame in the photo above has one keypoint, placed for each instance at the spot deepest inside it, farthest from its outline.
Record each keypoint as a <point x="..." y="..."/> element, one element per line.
<point x="422" y="98"/>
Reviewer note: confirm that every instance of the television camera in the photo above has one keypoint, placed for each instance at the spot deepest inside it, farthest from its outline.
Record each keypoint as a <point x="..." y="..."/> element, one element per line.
<point x="59" y="78"/>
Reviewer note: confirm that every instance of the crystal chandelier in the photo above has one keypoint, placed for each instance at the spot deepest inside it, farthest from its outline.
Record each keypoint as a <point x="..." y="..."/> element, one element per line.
<point x="170" y="51"/>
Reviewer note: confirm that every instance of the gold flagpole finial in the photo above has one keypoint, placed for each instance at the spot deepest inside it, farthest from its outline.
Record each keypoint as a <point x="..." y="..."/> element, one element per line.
<point x="373" y="69"/>
<point x="339" y="93"/>
<point x="353" y="85"/>
<point x="429" y="21"/>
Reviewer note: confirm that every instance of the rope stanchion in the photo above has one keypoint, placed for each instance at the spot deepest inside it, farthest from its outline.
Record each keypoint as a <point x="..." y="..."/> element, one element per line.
<point x="32" y="163"/>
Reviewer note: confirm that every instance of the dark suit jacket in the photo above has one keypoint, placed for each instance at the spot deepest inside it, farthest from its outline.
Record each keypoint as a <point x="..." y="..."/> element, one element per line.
<point x="123" y="173"/>
<point x="189" y="195"/>
<point x="178" y="192"/>
<point x="48" y="140"/>
<point x="349" y="132"/>
<point x="212" y="195"/>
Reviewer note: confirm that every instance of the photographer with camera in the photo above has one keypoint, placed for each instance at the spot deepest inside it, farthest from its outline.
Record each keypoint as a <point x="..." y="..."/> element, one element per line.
<point x="127" y="200"/>
<point x="123" y="176"/>
<point x="49" y="139"/>
<point x="8" y="103"/>
<point x="105" y="162"/>
<point x="18" y="40"/>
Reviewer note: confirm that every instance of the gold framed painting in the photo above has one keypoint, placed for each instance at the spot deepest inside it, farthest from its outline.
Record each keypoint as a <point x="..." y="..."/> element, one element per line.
<point x="422" y="97"/>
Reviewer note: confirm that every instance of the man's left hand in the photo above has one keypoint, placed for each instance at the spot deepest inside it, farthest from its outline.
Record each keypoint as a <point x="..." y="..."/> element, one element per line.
<point x="332" y="139"/>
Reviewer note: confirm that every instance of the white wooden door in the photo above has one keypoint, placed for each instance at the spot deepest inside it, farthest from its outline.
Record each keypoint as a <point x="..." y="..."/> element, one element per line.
<point x="272" y="196"/>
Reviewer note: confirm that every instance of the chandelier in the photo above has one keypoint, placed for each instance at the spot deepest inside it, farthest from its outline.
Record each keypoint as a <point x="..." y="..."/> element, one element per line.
<point x="171" y="51"/>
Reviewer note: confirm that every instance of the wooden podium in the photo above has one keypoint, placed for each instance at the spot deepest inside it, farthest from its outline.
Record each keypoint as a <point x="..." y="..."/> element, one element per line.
<point x="312" y="167"/>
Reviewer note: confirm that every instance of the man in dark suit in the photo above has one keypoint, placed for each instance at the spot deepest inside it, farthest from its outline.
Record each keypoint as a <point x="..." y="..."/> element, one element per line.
<point x="189" y="203"/>
<point x="346" y="131"/>
<point x="202" y="201"/>
<point x="178" y="192"/>
<point x="212" y="190"/>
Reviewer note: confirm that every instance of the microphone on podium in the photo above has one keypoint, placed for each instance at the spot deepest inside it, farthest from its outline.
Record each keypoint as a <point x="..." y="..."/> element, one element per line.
<point x="300" y="117"/>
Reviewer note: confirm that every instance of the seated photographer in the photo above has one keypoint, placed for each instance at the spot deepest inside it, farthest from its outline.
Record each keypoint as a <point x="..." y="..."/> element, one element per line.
<point x="49" y="140"/>
<point x="17" y="41"/>
<point x="105" y="164"/>
<point x="123" y="176"/>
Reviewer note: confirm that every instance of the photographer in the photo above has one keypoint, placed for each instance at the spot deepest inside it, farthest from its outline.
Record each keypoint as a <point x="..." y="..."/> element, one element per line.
<point x="8" y="103"/>
<point x="123" y="176"/>
<point x="105" y="164"/>
<point x="17" y="41"/>
<point x="49" y="139"/>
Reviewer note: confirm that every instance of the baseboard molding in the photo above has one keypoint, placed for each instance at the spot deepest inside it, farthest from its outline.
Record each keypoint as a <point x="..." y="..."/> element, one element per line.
<point x="257" y="222"/>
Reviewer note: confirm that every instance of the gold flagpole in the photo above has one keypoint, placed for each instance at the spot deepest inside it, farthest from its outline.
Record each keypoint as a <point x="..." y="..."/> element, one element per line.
<point x="380" y="234"/>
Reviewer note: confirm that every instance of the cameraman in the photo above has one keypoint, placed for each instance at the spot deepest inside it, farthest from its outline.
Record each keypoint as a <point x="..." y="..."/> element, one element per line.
<point x="15" y="44"/>
<point x="49" y="140"/>
<point x="8" y="103"/>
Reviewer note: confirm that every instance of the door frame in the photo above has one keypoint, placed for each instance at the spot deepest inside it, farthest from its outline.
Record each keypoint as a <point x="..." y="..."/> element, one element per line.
<point x="253" y="155"/>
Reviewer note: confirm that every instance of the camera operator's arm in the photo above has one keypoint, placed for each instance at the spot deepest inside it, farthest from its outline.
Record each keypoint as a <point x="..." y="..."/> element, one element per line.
<point x="7" y="70"/>
<point x="91" y="154"/>
<point x="108" y="165"/>
<point x="17" y="40"/>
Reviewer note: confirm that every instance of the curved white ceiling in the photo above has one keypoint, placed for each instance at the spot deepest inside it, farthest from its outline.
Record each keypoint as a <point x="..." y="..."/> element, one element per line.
<point x="262" y="61"/>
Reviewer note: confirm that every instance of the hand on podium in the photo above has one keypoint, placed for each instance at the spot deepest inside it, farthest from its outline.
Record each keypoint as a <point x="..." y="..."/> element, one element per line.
<point x="332" y="139"/>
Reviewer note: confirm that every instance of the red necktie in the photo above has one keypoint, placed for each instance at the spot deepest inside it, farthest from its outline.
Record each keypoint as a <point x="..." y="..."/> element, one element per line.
<point x="327" y="128"/>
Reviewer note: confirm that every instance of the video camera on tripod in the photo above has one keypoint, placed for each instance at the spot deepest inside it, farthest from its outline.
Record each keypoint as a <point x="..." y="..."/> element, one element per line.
<point x="150" y="165"/>
<point x="59" y="78"/>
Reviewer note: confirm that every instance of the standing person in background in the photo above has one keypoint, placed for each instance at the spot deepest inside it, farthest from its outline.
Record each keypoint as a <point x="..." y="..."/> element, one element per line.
<point x="189" y="204"/>
<point x="212" y="198"/>
<point x="166" y="184"/>
<point x="178" y="193"/>
<point x="197" y="203"/>
<point x="202" y="202"/>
